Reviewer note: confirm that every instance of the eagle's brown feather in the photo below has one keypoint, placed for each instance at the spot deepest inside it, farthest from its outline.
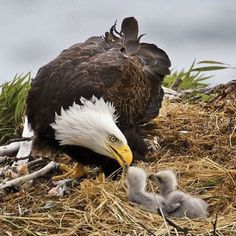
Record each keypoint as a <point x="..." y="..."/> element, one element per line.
<point x="117" y="67"/>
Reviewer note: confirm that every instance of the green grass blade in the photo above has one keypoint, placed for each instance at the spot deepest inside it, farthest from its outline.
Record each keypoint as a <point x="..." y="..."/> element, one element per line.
<point x="210" y="68"/>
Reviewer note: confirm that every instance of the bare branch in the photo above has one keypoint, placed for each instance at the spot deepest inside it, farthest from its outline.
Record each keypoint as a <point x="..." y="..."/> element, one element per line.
<point x="21" y="180"/>
<point x="16" y="140"/>
<point x="184" y="230"/>
<point x="214" y="224"/>
<point x="9" y="149"/>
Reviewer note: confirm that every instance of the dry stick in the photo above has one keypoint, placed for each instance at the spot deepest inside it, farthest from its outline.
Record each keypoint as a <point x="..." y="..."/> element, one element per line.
<point x="6" y="158"/>
<point x="171" y="223"/>
<point x="148" y="230"/>
<point x="214" y="224"/>
<point x="22" y="158"/>
<point x="141" y="224"/>
<point x="18" y="227"/>
<point x="21" y="180"/>
<point x="3" y="158"/>
<point x="159" y="210"/>
<point x="10" y="149"/>
<point x="35" y="162"/>
<point x="19" y="140"/>
<point x="231" y="135"/>
<point x="177" y="227"/>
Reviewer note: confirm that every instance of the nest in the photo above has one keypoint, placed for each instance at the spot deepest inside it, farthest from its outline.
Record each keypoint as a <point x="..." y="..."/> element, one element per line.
<point x="196" y="141"/>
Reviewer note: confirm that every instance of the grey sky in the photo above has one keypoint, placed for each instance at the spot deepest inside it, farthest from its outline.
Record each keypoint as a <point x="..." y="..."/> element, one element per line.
<point x="34" y="32"/>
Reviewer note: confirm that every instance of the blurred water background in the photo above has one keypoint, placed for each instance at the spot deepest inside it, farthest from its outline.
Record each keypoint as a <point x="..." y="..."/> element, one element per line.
<point x="34" y="32"/>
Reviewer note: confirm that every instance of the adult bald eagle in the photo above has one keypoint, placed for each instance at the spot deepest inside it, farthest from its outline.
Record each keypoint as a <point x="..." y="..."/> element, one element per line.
<point x="84" y="99"/>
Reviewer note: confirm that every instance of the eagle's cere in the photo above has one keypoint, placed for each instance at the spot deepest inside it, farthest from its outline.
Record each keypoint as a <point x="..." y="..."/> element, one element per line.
<point x="84" y="86"/>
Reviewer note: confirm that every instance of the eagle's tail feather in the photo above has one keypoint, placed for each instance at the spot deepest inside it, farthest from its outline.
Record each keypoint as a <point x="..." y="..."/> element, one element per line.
<point x="129" y="28"/>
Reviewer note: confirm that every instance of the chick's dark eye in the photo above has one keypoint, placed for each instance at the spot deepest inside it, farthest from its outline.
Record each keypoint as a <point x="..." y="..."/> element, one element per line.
<point x="113" y="139"/>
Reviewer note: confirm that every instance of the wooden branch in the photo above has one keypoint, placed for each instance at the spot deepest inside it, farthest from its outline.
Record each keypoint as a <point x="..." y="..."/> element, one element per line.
<point x="170" y="93"/>
<point x="13" y="161"/>
<point x="184" y="230"/>
<point x="214" y="224"/>
<point x="35" y="162"/>
<point x="9" y="149"/>
<point x="16" y="140"/>
<point x="3" y="158"/>
<point x="148" y="230"/>
<point x="21" y="180"/>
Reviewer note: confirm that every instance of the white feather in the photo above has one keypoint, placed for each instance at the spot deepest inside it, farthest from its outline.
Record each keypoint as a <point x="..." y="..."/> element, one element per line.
<point x="88" y="125"/>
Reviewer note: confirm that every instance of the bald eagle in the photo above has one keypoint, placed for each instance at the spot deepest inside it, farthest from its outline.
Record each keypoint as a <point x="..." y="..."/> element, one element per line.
<point x="88" y="100"/>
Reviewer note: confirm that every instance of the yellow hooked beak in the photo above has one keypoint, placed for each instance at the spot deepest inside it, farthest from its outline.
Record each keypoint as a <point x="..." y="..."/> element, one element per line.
<point x="121" y="153"/>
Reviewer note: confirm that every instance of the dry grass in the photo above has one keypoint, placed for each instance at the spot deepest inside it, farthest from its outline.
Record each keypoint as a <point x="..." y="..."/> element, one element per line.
<point x="196" y="141"/>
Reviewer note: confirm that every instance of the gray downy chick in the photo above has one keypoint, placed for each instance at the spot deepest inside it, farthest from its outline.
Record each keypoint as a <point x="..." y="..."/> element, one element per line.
<point x="136" y="190"/>
<point x="177" y="203"/>
<point x="167" y="181"/>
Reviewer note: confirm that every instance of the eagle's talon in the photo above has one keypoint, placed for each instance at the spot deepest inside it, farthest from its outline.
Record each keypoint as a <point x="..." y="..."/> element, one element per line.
<point x="101" y="177"/>
<point x="74" y="173"/>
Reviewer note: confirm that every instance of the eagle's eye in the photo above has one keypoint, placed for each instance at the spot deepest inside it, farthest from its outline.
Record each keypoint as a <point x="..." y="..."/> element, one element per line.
<point x="113" y="138"/>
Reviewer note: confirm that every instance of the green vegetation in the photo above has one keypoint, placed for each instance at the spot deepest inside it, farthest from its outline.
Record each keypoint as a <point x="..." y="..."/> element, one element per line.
<point x="193" y="79"/>
<point x="12" y="106"/>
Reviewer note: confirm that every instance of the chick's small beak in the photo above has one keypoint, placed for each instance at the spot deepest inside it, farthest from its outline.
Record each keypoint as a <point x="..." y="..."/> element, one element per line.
<point x="121" y="153"/>
<point x="151" y="177"/>
<point x="155" y="178"/>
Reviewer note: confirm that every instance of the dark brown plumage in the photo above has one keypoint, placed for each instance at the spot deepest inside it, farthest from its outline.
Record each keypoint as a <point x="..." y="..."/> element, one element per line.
<point x="116" y="67"/>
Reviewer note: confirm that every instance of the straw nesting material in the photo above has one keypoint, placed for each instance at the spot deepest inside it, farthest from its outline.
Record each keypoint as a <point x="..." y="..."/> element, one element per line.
<point x="197" y="143"/>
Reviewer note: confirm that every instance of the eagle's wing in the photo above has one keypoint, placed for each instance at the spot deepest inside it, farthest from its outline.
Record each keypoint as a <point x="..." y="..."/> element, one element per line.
<point x="117" y="67"/>
<point x="149" y="66"/>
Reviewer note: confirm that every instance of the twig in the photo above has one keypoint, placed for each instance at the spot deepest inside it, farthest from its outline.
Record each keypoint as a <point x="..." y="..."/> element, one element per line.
<point x="21" y="180"/>
<point x="22" y="158"/>
<point x="177" y="227"/>
<point x="35" y="162"/>
<point x="231" y="135"/>
<point x="12" y="159"/>
<point x="165" y="222"/>
<point x="148" y="230"/>
<point x="9" y="149"/>
<point x="18" y="227"/>
<point x="141" y="224"/>
<point x="3" y="158"/>
<point x="171" y="223"/>
<point x="214" y="224"/>
<point x="14" y="140"/>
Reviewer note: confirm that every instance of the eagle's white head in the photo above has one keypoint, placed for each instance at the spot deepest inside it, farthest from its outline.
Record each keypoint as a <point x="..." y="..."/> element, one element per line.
<point x="93" y="125"/>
